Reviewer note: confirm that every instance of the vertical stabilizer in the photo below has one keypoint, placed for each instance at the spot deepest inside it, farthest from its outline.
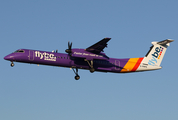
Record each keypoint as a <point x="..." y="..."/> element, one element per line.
<point x="155" y="55"/>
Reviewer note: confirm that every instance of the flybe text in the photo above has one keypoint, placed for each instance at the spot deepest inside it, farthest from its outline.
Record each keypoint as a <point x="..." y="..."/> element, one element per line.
<point x="155" y="56"/>
<point x="156" y="53"/>
<point x="45" y="56"/>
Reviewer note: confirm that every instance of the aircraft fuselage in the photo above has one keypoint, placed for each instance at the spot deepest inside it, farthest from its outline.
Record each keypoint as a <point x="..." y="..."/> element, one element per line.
<point x="93" y="58"/>
<point x="102" y="63"/>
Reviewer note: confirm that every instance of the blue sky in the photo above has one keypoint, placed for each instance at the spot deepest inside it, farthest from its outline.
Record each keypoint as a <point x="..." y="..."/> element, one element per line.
<point x="34" y="92"/>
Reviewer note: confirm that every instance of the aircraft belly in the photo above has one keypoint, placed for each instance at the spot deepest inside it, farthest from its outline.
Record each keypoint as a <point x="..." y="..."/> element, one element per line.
<point x="103" y="69"/>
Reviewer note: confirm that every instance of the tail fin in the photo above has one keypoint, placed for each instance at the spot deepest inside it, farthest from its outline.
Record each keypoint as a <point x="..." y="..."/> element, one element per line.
<point x="155" y="55"/>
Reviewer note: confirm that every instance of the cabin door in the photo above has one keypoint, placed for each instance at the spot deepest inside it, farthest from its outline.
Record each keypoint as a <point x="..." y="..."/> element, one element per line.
<point x="117" y="65"/>
<point x="31" y="55"/>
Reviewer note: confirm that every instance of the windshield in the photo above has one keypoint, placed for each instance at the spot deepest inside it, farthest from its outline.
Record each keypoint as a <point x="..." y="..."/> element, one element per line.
<point x="19" y="51"/>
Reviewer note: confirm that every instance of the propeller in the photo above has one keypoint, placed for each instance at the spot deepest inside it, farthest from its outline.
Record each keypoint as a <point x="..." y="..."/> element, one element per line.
<point x="69" y="50"/>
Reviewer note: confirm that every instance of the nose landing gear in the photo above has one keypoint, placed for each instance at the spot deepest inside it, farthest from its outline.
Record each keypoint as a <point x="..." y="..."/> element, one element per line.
<point x="12" y="64"/>
<point x="77" y="77"/>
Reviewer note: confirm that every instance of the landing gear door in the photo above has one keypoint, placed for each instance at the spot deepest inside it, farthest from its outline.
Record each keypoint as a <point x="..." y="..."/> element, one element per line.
<point x="31" y="55"/>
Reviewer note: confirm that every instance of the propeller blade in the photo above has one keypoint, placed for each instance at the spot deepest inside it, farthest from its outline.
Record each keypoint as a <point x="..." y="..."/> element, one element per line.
<point x="70" y="46"/>
<point x="69" y="50"/>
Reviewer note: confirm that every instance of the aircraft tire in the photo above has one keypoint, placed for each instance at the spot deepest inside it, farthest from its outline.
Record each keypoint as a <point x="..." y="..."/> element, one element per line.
<point x="77" y="77"/>
<point x="92" y="70"/>
<point x="12" y="64"/>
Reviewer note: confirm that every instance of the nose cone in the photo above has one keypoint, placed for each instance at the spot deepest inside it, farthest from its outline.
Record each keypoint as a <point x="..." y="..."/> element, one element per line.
<point x="8" y="57"/>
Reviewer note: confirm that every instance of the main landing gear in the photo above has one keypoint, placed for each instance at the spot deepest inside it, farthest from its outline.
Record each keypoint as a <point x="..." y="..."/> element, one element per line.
<point x="77" y="77"/>
<point x="12" y="64"/>
<point x="92" y="69"/>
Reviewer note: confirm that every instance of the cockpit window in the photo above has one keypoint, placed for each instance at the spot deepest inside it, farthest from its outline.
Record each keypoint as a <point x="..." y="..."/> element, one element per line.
<point x="19" y="51"/>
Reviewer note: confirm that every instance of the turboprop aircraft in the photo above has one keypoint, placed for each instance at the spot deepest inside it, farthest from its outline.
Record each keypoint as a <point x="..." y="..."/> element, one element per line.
<point x="93" y="58"/>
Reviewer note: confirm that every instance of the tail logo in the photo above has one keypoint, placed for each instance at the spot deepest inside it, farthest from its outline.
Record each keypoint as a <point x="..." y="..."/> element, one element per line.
<point x="156" y="54"/>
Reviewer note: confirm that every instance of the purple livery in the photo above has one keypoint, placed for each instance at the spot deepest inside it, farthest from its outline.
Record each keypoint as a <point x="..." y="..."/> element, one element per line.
<point x="91" y="58"/>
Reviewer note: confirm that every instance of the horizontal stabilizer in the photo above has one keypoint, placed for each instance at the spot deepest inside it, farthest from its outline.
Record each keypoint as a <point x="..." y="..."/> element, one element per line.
<point x="165" y="42"/>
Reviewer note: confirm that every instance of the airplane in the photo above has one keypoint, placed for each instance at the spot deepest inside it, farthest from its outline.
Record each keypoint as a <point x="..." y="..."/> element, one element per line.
<point x="93" y="58"/>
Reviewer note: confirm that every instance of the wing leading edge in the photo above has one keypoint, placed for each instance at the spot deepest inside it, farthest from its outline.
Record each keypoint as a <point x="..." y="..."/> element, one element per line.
<point x="99" y="46"/>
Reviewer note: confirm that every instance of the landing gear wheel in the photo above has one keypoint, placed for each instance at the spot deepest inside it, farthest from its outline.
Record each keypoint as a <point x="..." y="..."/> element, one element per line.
<point x="77" y="77"/>
<point x="91" y="65"/>
<point x="92" y="70"/>
<point x="12" y="64"/>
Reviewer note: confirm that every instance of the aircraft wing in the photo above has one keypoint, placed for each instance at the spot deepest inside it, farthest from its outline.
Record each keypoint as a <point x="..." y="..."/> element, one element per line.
<point x="99" y="46"/>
